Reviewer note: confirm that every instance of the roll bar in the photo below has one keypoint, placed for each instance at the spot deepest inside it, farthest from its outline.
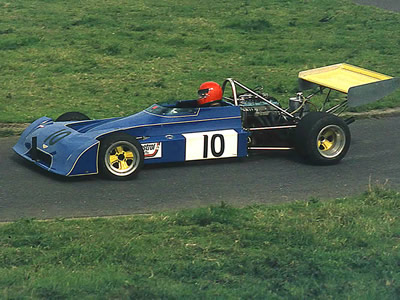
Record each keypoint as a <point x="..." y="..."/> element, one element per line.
<point x="233" y="83"/>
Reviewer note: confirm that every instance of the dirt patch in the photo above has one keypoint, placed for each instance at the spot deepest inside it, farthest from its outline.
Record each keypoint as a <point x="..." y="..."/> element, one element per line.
<point x="9" y="129"/>
<point x="375" y="113"/>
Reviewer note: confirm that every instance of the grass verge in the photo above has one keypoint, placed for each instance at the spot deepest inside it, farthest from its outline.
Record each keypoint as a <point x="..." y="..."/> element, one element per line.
<point x="343" y="248"/>
<point x="115" y="58"/>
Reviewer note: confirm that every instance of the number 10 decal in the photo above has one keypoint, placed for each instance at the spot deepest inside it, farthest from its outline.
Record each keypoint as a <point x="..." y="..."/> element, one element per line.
<point x="211" y="144"/>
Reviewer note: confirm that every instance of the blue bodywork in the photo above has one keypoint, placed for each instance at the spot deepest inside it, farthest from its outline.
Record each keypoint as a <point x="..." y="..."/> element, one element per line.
<point x="72" y="148"/>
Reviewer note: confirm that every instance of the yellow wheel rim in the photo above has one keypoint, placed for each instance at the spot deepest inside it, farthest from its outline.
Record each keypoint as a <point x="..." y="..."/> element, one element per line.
<point x="122" y="158"/>
<point x="331" y="141"/>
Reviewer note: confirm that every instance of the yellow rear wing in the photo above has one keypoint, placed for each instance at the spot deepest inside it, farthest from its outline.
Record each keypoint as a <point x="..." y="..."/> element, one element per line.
<point x="361" y="86"/>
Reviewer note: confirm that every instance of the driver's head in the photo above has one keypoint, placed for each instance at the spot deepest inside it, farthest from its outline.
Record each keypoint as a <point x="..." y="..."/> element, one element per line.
<point x="209" y="92"/>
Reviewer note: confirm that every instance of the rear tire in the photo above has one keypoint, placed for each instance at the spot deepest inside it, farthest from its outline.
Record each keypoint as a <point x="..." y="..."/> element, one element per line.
<point x="322" y="138"/>
<point x="120" y="157"/>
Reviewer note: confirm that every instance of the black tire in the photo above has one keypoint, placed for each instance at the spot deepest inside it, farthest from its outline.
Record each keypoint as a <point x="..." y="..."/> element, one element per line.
<point x="120" y="157"/>
<point x="72" y="116"/>
<point x="322" y="138"/>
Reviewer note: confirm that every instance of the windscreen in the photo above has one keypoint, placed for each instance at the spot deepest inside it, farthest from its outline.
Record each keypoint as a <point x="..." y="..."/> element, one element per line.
<point x="171" y="110"/>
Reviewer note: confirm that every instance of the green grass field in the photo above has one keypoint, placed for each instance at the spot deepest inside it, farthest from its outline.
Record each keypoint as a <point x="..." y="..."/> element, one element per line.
<point x="114" y="58"/>
<point x="336" y="249"/>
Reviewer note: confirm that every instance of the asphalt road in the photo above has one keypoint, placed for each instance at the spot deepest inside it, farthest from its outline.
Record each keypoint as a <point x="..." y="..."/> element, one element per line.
<point x="385" y="4"/>
<point x="28" y="192"/>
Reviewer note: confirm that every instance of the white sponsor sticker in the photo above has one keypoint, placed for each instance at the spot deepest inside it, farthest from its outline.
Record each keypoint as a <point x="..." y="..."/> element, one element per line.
<point x="152" y="150"/>
<point x="211" y="144"/>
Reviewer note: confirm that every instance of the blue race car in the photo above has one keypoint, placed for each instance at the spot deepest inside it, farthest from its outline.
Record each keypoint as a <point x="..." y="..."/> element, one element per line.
<point x="74" y="145"/>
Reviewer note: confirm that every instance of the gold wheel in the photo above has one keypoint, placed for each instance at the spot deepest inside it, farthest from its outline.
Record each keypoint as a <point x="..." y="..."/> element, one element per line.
<point x="331" y="141"/>
<point x="122" y="158"/>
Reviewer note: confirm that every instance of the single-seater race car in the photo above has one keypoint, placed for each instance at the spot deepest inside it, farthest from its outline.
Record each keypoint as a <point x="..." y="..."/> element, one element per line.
<point x="74" y="145"/>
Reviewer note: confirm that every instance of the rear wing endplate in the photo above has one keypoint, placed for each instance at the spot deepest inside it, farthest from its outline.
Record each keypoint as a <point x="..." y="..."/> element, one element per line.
<point x="361" y="86"/>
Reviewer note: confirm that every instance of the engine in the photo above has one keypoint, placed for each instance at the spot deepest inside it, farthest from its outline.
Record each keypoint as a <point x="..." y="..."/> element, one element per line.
<point x="259" y="113"/>
<point x="298" y="106"/>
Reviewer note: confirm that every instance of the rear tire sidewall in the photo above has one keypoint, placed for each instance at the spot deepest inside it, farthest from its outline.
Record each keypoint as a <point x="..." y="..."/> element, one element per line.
<point x="313" y="125"/>
<point x="127" y="142"/>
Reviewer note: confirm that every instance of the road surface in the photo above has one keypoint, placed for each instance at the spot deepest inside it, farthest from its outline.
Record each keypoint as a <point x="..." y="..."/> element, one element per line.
<point x="393" y="5"/>
<point x="27" y="191"/>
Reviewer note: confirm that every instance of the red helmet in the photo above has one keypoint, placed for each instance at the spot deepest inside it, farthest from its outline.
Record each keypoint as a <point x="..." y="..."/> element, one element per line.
<point x="209" y="92"/>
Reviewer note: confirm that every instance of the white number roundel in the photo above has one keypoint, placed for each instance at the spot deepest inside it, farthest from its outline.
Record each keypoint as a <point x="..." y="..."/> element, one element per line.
<point x="211" y="144"/>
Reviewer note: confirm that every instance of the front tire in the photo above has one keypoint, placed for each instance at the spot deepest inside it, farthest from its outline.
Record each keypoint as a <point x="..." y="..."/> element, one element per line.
<point x="120" y="157"/>
<point x="322" y="138"/>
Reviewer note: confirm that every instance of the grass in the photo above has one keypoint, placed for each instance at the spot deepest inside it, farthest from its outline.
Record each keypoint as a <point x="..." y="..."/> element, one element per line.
<point x="342" y="248"/>
<point x="115" y="58"/>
